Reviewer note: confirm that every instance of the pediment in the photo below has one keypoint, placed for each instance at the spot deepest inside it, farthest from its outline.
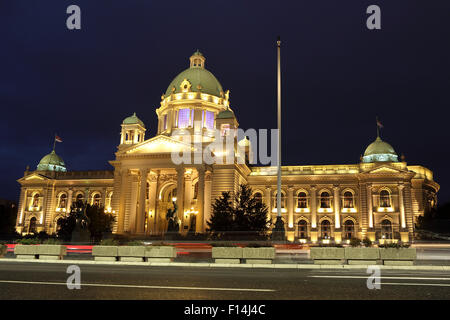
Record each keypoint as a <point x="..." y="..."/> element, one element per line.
<point x="385" y="169"/>
<point x="33" y="177"/>
<point x="158" y="144"/>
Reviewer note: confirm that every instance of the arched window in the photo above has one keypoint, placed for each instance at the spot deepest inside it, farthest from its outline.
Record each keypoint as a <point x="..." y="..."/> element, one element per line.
<point x="96" y="200"/>
<point x="62" y="201"/>
<point x="386" y="229"/>
<point x="283" y="200"/>
<point x="79" y="198"/>
<point x="258" y="196"/>
<point x="147" y="191"/>
<point x="348" y="200"/>
<point x="325" y="229"/>
<point x="325" y="200"/>
<point x="302" y="229"/>
<point x="302" y="200"/>
<point x="349" y="229"/>
<point x="385" y="199"/>
<point x="32" y="226"/>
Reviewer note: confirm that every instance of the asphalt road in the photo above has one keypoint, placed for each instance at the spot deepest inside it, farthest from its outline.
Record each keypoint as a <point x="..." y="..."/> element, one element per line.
<point x="48" y="281"/>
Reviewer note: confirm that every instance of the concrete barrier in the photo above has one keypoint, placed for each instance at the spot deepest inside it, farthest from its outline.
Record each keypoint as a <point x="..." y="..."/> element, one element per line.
<point x="43" y="251"/>
<point x="131" y="253"/>
<point x="105" y="253"/>
<point x="362" y="256"/>
<point x="160" y="253"/>
<point x="227" y="254"/>
<point x="258" y="255"/>
<point x="398" y="256"/>
<point x="327" y="255"/>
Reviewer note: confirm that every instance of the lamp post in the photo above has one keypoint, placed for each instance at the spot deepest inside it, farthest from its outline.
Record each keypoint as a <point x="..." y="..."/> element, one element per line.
<point x="278" y="232"/>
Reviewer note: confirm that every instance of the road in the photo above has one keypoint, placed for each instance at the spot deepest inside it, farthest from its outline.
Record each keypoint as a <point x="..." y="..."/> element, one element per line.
<point x="48" y="281"/>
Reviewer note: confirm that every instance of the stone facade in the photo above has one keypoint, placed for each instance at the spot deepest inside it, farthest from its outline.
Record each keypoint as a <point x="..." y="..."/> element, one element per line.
<point x="377" y="199"/>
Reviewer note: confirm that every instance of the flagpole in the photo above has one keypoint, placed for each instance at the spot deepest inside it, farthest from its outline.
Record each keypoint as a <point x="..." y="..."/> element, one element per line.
<point x="378" y="127"/>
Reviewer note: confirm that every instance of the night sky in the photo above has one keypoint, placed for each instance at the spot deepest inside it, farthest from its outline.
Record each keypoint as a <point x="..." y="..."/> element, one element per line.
<point x="337" y="76"/>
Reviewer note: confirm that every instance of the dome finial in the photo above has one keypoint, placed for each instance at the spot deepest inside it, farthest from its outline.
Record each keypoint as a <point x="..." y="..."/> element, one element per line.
<point x="197" y="60"/>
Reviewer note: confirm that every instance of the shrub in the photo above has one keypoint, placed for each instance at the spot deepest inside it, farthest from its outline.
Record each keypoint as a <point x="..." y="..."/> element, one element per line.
<point x="28" y="241"/>
<point x="367" y="242"/>
<point x="134" y="243"/>
<point x="109" y="242"/>
<point x="259" y="245"/>
<point x="223" y="244"/>
<point x="397" y="245"/>
<point x="52" y="241"/>
<point x="355" y="242"/>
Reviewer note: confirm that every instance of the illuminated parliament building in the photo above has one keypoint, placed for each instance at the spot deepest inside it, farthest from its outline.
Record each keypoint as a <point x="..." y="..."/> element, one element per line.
<point x="379" y="198"/>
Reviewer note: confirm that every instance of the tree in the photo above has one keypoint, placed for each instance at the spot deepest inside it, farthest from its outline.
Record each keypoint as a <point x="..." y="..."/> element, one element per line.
<point x="8" y="216"/>
<point x="99" y="221"/>
<point x="247" y="219"/>
<point x="221" y="220"/>
<point x="66" y="226"/>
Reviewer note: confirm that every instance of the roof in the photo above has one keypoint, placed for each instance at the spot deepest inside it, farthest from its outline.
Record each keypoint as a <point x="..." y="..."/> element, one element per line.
<point x="133" y="120"/>
<point x="380" y="151"/>
<point x="51" y="162"/>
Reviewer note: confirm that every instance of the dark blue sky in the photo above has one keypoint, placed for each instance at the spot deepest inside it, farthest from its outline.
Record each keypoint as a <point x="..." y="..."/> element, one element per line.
<point x="337" y="76"/>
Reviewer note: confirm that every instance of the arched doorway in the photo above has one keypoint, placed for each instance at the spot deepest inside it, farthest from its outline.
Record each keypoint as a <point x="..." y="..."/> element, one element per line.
<point x="349" y="229"/>
<point x="386" y="229"/>
<point x="325" y="229"/>
<point x="302" y="229"/>
<point x="32" y="227"/>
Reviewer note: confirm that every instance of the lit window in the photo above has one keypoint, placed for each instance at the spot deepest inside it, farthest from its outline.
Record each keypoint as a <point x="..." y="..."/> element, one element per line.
<point x="325" y="200"/>
<point x="62" y="201"/>
<point x="385" y="199"/>
<point x="349" y="229"/>
<point x="209" y="120"/>
<point x="183" y="118"/>
<point x="302" y="229"/>
<point x="165" y="122"/>
<point x="302" y="201"/>
<point x="325" y="229"/>
<point x="348" y="200"/>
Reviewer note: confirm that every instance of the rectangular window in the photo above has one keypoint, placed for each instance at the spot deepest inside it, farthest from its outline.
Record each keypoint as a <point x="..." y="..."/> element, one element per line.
<point x="209" y="120"/>
<point x="183" y="118"/>
<point x="165" y="122"/>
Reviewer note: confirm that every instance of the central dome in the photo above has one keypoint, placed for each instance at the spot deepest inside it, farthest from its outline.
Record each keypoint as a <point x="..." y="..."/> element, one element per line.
<point x="52" y="162"/>
<point x="380" y="151"/>
<point x="200" y="79"/>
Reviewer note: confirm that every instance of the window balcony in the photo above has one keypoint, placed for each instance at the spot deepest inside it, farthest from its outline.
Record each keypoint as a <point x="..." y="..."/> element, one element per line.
<point x="322" y="210"/>
<point x="385" y="209"/>
<point x="349" y="210"/>
<point x="302" y="210"/>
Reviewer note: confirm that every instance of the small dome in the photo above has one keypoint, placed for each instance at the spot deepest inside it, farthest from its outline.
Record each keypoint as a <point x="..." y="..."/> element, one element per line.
<point x="133" y="120"/>
<point x="226" y="114"/>
<point x="200" y="79"/>
<point x="52" y="162"/>
<point x="380" y="151"/>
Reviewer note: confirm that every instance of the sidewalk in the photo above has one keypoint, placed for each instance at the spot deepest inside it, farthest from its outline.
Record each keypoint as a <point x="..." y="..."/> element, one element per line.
<point x="291" y="266"/>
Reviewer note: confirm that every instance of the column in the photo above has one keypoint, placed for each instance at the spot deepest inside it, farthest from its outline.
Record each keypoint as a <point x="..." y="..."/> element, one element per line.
<point x="21" y="209"/>
<point x="313" y="233"/>
<point x="187" y="199"/>
<point x="370" y="231"/>
<point x="337" y="209"/>
<point x="121" y="213"/>
<point x="201" y="200"/>
<point x="140" y="212"/>
<point x="69" y="199"/>
<point x="313" y="207"/>
<point x="290" y="207"/>
<point x="207" y="208"/>
<point x="401" y="206"/>
<point x="152" y="202"/>
<point x="290" y="229"/>
<point x="337" y="215"/>
<point x="180" y="191"/>
<point x="369" y="205"/>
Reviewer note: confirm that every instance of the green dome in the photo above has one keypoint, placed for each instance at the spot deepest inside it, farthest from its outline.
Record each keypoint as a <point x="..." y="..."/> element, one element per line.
<point x="52" y="162"/>
<point x="379" y="151"/>
<point x="200" y="79"/>
<point x="226" y="114"/>
<point x="133" y="120"/>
